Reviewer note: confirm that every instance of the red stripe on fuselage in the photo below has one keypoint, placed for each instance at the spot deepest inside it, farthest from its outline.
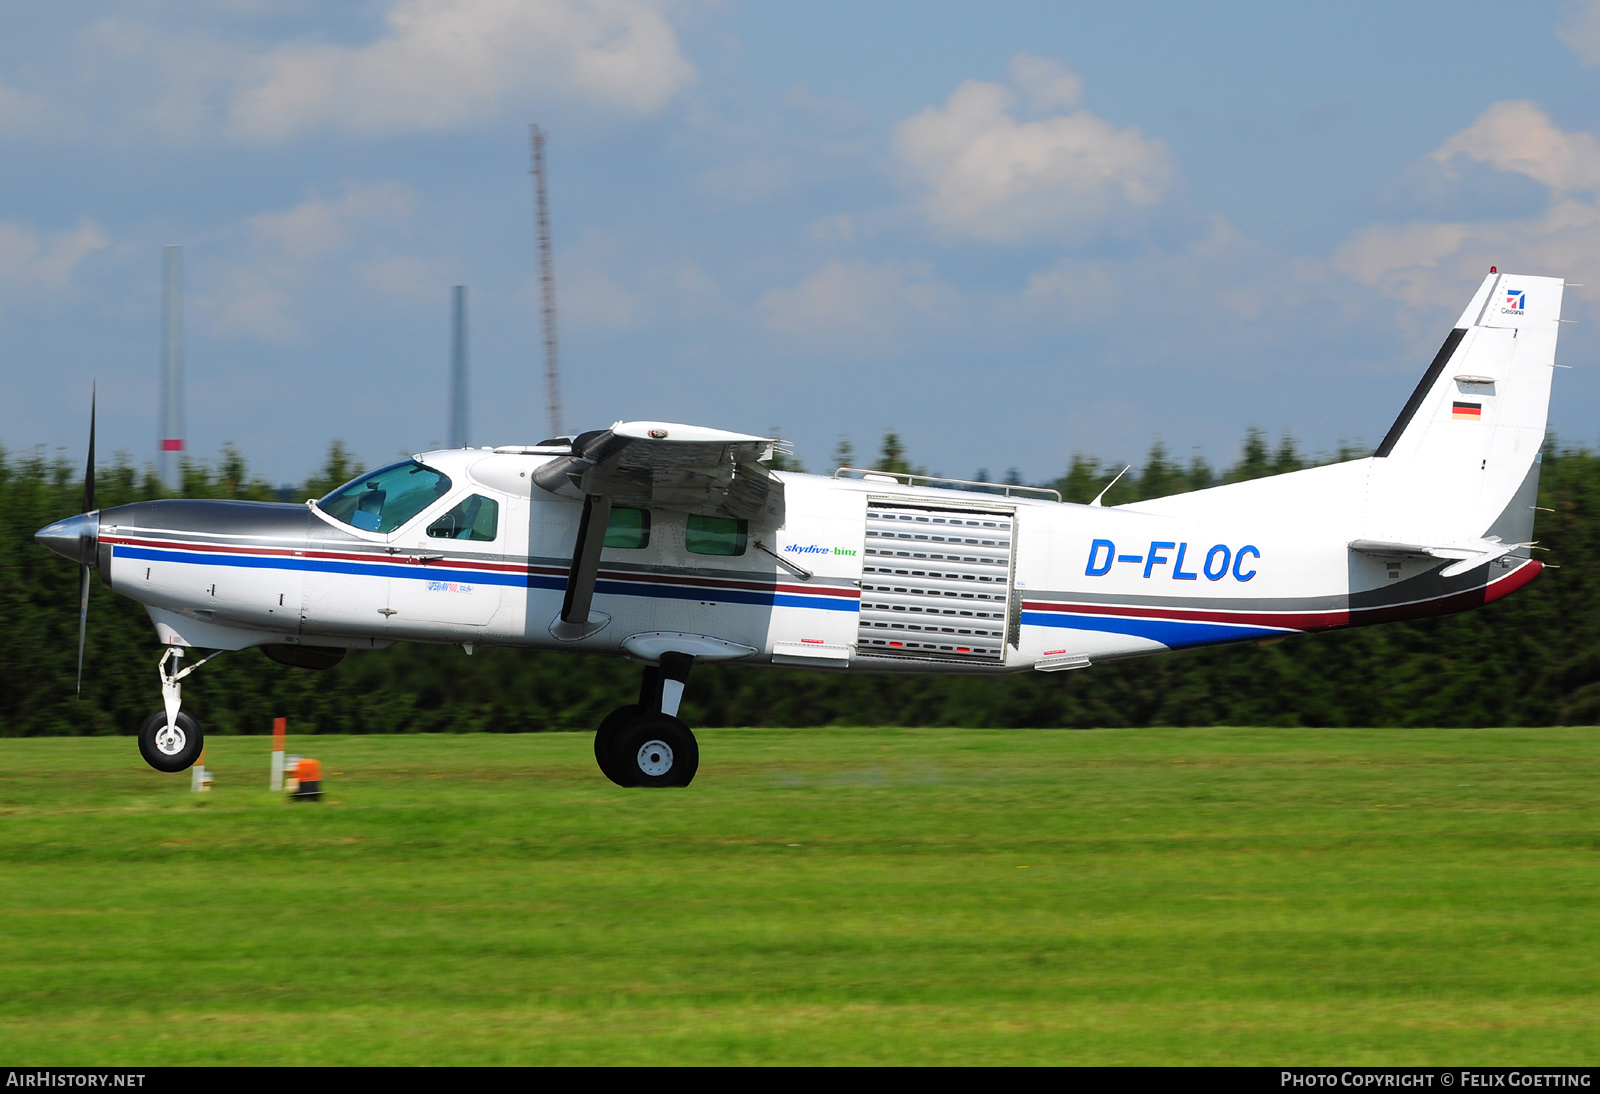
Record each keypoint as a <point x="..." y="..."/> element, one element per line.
<point x="469" y="564"/>
<point x="1315" y="620"/>
<point x="336" y="556"/>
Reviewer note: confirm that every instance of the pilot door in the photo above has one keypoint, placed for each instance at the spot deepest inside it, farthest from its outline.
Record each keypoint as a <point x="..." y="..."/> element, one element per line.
<point x="936" y="583"/>
<point x="453" y="567"/>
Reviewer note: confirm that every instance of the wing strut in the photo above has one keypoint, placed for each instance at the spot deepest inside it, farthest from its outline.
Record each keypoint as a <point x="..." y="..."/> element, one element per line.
<point x="576" y="620"/>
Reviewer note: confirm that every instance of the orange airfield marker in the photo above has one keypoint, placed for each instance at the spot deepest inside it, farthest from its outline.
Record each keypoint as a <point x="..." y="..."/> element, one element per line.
<point x="280" y="728"/>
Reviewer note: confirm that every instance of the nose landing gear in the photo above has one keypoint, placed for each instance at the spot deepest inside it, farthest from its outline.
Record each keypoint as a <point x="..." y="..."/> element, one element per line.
<point x="646" y="743"/>
<point x="170" y="739"/>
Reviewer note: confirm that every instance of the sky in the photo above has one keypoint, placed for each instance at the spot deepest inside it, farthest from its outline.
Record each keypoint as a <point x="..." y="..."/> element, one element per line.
<point x="1008" y="232"/>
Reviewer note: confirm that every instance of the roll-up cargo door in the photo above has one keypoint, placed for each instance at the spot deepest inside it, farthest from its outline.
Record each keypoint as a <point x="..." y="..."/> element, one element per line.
<point x="935" y="583"/>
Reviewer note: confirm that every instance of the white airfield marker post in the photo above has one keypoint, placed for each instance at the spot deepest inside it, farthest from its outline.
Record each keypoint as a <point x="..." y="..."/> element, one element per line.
<point x="199" y="777"/>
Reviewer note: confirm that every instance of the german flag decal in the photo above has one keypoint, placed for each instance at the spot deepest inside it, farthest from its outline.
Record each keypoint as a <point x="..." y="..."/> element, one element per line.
<point x="1467" y="412"/>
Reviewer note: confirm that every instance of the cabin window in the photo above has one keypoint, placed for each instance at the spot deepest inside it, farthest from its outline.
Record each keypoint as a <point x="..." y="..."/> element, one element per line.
<point x="628" y="528"/>
<point x="387" y="498"/>
<point x="716" y="535"/>
<point x="476" y="518"/>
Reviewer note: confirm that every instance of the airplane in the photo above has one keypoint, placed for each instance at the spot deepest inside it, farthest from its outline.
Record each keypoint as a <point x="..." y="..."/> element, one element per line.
<point x="674" y="545"/>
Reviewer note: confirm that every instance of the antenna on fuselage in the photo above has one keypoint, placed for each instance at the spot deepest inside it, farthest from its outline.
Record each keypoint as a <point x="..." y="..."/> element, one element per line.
<point x="1101" y="495"/>
<point x="458" y="367"/>
<point x="547" y="283"/>
<point x="171" y="438"/>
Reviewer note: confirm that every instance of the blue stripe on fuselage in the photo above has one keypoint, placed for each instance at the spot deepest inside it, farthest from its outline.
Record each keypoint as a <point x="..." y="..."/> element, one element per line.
<point x="435" y="571"/>
<point x="412" y="570"/>
<point x="1169" y="632"/>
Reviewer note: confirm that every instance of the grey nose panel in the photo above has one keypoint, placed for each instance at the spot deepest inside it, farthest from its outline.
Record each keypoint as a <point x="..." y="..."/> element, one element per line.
<point x="75" y="538"/>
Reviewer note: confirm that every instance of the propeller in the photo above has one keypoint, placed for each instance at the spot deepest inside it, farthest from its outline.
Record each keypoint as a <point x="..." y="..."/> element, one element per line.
<point x="88" y="507"/>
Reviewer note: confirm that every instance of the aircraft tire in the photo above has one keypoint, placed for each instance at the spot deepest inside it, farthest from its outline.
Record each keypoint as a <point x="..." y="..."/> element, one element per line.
<point x="166" y="755"/>
<point x="605" y="741"/>
<point x="657" y="750"/>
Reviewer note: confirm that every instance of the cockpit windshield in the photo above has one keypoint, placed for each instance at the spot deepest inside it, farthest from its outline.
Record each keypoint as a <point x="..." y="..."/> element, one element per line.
<point x="383" y="500"/>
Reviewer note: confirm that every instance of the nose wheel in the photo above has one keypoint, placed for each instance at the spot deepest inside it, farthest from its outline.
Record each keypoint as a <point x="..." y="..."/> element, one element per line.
<point x="170" y="739"/>
<point x="170" y="748"/>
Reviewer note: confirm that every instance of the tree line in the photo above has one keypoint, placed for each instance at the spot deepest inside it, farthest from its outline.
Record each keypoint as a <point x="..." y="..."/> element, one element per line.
<point x="1531" y="659"/>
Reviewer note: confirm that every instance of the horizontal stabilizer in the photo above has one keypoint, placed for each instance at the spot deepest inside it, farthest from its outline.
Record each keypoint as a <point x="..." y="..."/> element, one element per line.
<point x="1462" y="556"/>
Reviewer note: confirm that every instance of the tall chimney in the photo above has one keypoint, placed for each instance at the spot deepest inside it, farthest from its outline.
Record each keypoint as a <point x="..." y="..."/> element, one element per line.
<point x="172" y="367"/>
<point x="458" y="368"/>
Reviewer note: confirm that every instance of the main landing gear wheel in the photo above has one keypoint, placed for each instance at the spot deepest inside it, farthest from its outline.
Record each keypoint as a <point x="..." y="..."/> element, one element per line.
<point x="170" y="750"/>
<point x="605" y="740"/>
<point x="655" y="750"/>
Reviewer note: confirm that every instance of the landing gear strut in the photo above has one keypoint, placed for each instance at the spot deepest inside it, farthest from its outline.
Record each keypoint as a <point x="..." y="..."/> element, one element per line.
<point x="645" y="743"/>
<point x="170" y="739"/>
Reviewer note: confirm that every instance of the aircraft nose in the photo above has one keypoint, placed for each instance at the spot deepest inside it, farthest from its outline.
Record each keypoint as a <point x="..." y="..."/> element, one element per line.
<point x="76" y="538"/>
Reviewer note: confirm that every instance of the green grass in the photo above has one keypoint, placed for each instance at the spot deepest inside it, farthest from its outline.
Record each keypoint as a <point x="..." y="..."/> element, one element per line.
<point x="818" y="896"/>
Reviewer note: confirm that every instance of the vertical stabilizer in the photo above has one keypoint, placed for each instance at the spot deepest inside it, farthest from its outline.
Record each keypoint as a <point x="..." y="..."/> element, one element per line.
<point x="1467" y="443"/>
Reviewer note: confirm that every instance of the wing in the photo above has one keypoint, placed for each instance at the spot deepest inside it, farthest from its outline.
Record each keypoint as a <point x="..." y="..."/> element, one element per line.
<point x="661" y="465"/>
<point x="653" y="465"/>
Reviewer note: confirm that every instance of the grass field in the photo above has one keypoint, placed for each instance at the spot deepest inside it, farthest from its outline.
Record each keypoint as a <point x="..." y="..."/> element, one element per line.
<point x="818" y="896"/>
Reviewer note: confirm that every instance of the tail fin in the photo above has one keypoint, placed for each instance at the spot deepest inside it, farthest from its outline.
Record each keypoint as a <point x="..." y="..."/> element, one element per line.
<point x="1461" y="462"/>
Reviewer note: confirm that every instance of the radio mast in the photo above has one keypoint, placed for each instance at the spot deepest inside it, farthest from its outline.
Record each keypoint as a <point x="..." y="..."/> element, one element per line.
<point x="547" y="284"/>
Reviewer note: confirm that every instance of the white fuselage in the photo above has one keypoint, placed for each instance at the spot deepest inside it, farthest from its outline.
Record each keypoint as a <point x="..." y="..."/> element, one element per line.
<point x="881" y="576"/>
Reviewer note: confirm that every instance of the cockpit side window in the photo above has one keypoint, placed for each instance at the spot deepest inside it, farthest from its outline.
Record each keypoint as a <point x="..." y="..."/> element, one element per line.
<point x="476" y="517"/>
<point x="628" y="528"/>
<point x="387" y="498"/>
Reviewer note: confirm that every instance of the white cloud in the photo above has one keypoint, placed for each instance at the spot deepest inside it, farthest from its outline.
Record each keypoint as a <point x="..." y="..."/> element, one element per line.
<point x="989" y="176"/>
<point x="446" y="63"/>
<point x="599" y="289"/>
<point x="405" y="275"/>
<point x="252" y="302"/>
<point x="318" y="227"/>
<point x="146" y="77"/>
<point x="290" y="261"/>
<point x="31" y="260"/>
<point x="19" y="111"/>
<point x="839" y="227"/>
<point x="1046" y="84"/>
<point x="1425" y="264"/>
<point x="589" y="297"/>
<point x="875" y="305"/>
<point x="1517" y="136"/>
<point x="1220" y="288"/>
<point x="1580" y="29"/>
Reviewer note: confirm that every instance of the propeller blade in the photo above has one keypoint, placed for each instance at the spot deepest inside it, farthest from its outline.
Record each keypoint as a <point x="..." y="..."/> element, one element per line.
<point x="88" y="473"/>
<point x="83" y="626"/>
<point x="88" y="507"/>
